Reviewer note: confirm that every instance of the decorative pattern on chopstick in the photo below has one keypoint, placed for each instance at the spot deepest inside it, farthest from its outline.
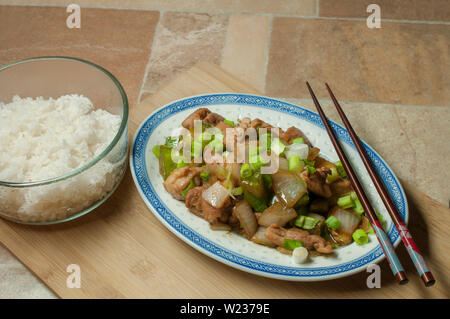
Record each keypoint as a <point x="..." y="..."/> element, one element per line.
<point x="386" y="245"/>
<point x="406" y="237"/>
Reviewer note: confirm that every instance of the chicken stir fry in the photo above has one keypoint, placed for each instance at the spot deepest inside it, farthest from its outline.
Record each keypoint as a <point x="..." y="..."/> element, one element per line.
<point x="306" y="201"/>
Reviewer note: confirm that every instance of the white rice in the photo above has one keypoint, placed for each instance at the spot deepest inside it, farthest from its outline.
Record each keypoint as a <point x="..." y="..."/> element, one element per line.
<point x="42" y="139"/>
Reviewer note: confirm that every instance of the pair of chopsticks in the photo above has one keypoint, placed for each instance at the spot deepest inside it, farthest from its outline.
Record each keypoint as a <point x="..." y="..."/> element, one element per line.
<point x="386" y="245"/>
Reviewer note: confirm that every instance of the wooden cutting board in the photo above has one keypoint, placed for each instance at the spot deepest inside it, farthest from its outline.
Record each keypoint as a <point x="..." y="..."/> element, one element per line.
<point x="124" y="251"/>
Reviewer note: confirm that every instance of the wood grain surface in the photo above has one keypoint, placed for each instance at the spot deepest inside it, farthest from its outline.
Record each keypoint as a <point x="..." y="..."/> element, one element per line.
<point x="124" y="251"/>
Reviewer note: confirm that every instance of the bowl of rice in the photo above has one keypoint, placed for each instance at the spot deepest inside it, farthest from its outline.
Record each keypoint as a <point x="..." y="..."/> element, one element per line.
<point x="63" y="139"/>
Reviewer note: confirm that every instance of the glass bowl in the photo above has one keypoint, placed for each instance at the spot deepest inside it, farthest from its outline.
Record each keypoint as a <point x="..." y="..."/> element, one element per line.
<point x="80" y="191"/>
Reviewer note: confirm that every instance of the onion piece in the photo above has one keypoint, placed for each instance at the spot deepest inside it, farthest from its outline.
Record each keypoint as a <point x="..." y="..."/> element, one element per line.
<point x="216" y="195"/>
<point x="349" y="222"/>
<point x="259" y="238"/>
<point x="300" y="255"/>
<point x="277" y="214"/>
<point x="283" y="163"/>
<point x="301" y="150"/>
<point x="288" y="186"/>
<point x="243" y="211"/>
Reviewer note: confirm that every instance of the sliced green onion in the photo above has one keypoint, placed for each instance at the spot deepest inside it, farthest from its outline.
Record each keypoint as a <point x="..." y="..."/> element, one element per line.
<point x="370" y="230"/>
<point x="299" y="221"/>
<point x="334" y="176"/>
<point x="333" y="223"/>
<point x="353" y="196"/>
<point x="181" y="164"/>
<point x="360" y="237"/>
<point x="298" y="140"/>
<point x="291" y="244"/>
<point x="310" y="222"/>
<point x="268" y="138"/>
<point x="309" y="163"/>
<point x="345" y="202"/>
<point x="172" y="141"/>
<point x="311" y="170"/>
<point x="358" y="207"/>
<point x="190" y="186"/>
<point x="246" y="170"/>
<point x="156" y="150"/>
<point x="231" y="123"/>
<point x="277" y="146"/>
<point x="216" y="144"/>
<point x="294" y="162"/>
<point x="204" y="175"/>
<point x="237" y="191"/>
<point x="267" y="179"/>
<point x="256" y="162"/>
<point x="204" y="137"/>
<point x="196" y="149"/>
<point x="340" y="169"/>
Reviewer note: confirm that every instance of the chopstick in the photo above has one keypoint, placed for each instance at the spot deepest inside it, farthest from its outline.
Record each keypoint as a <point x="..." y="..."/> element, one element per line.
<point x="406" y="237"/>
<point x="386" y="245"/>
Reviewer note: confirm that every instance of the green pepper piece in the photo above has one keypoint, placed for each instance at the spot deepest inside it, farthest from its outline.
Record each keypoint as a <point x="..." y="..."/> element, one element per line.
<point x="258" y="204"/>
<point x="166" y="164"/>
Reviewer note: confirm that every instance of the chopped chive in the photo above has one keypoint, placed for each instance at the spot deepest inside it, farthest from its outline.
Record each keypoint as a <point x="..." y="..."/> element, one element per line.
<point x="360" y="237"/>
<point x="231" y="123"/>
<point x="334" y="176"/>
<point x="181" y="164"/>
<point x="267" y="137"/>
<point x="345" y="202"/>
<point x="309" y="163"/>
<point x="294" y="162"/>
<point x="358" y="207"/>
<point x="291" y="244"/>
<point x="299" y="221"/>
<point x="237" y="191"/>
<point x="256" y="162"/>
<point x="333" y="223"/>
<point x="196" y="149"/>
<point x="310" y="222"/>
<point x="204" y="175"/>
<point x="298" y="140"/>
<point x="311" y="170"/>
<point x="172" y="141"/>
<point x="340" y="169"/>
<point x="190" y="186"/>
<point x="246" y="170"/>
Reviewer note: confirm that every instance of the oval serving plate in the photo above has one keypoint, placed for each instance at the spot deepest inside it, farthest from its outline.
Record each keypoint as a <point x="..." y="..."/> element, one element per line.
<point x="233" y="249"/>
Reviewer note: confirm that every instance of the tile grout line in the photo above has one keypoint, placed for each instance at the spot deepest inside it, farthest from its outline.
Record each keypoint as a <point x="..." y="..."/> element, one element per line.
<point x="317" y="8"/>
<point x="147" y="67"/>
<point x="280" y="15"/>
<point x="266" y="64"/>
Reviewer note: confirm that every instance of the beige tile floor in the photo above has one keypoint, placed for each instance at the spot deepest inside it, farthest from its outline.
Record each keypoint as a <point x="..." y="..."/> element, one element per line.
<point x="393" y="82"/>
